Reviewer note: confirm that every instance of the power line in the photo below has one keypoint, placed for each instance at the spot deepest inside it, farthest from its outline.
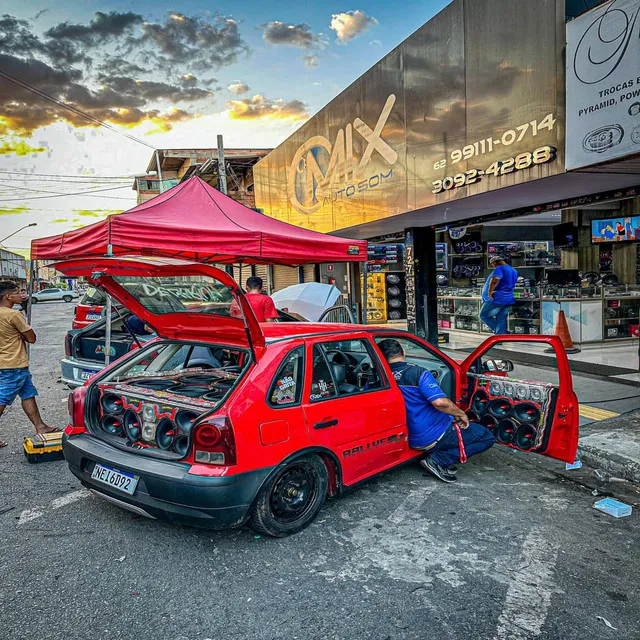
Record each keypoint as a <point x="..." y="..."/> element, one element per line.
<point x="56" y="175"/>
<point x="58" y="195"/>
<point x="63" y="181"/>
<point x="75" y="110"/>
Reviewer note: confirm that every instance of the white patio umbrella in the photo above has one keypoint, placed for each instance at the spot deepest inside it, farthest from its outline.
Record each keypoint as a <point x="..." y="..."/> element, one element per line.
<point x="309" y="300"/>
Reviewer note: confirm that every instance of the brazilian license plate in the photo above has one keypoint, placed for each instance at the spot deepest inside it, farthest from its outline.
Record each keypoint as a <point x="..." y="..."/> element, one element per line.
<point x="120" y="480"/>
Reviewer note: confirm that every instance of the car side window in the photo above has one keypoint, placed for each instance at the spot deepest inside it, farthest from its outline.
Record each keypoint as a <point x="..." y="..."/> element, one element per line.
<point x="286" y="388"/>
<point x="344" y="368"/>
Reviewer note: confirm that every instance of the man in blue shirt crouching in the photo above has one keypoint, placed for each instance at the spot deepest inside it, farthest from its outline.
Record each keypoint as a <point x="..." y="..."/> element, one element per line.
<point x="436" y="425"/>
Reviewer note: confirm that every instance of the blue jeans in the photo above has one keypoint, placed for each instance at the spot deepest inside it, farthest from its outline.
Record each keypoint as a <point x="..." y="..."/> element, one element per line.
<point x="15" y="382"/>
<point x="495" y="316"/>
<point x="476" y="439"/>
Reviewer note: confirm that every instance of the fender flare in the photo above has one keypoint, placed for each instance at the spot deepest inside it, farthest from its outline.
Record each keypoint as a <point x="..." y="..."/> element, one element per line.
<point x="301" y="454"/>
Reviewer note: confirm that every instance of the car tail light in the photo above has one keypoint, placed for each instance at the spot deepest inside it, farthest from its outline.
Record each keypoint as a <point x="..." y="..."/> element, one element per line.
<point x="75" y="404"/>
<point x="67" y="345"/>
<point x="213" y="442"/>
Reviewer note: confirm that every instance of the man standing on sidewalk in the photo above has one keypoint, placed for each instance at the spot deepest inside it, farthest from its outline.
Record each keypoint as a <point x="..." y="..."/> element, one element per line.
<point x="15" y="378"/>
<point x="497" y="295"/>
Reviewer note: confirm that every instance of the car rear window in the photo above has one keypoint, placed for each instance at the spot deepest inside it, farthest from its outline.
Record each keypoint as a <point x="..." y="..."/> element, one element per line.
<point x="181" y="294"/>
<point x="286" y="388"/>
<point x="94" y="296"/>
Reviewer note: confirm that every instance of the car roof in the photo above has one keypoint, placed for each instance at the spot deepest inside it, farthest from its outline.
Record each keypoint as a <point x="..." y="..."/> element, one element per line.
<point x="282" y="330"/>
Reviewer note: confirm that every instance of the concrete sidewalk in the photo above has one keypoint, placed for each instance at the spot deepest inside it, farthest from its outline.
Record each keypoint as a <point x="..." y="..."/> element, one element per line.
<point x="613" y="445"/>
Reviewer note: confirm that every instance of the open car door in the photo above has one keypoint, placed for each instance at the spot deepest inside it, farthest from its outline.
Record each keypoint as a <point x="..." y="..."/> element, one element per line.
<point x="180" y="300"/>
<point x="539" y="417"/>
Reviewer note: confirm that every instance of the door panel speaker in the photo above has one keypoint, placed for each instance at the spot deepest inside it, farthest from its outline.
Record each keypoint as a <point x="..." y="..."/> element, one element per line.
<point x="500" y="408"/>
<point x="525" y="437"/>
<point x="505" y="431"/>
<point x="526" y="412"/>
<point x="480" y="401"/>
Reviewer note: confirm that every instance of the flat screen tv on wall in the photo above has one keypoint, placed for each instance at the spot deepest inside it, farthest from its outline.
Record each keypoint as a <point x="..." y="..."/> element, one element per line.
<point x="621" y="229"/>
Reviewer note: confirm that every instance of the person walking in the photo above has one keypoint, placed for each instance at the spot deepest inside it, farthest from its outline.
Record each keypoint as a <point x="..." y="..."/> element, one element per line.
<point x="497" y="295"/>
<point x="437" y="426"/>
<point x="15" y="378"/>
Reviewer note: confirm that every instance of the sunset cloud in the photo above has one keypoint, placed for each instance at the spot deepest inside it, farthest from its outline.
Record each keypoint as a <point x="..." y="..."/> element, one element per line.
<point x="350" y="24"/>
<point x="238" y="87"/>
<point x="259" y="107"/>
<point x="296" y="35"/>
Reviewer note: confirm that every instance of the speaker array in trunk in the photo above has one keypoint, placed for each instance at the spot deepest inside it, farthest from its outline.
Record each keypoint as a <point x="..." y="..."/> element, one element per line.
<point x="514" y="423"/>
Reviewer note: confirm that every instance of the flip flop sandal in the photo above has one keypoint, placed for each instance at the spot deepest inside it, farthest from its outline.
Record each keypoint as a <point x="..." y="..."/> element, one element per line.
<point x="52" y="430"/>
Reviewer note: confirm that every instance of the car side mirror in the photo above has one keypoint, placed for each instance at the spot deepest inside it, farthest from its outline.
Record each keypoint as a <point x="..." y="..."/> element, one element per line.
<point x="491" y="366"/>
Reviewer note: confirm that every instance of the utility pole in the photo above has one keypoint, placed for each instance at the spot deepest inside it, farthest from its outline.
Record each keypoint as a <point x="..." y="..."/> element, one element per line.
<point x="159" y="171"/>
<point x="222" y="171"/>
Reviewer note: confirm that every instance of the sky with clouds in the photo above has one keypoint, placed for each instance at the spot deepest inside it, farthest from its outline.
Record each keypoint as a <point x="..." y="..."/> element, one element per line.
<point x="170" y="75"/>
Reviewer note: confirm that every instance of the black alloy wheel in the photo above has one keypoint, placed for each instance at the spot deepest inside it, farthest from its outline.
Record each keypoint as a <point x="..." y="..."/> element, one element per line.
<point x="292" y="498"/>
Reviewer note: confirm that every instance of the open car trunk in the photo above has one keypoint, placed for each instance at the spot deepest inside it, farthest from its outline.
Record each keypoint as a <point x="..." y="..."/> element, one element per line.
<point x="151" y="402"/>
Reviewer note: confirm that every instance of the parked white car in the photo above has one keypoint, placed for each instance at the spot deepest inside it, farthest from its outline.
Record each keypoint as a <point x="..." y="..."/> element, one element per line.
<point x="54" y="294"/>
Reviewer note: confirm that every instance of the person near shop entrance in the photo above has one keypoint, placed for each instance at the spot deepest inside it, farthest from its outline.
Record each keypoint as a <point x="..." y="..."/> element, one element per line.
<point x="15" y="378"/>
<point x="436" y="425"/>
<point x="262" y="305"/>
<point x="497" y="295"/>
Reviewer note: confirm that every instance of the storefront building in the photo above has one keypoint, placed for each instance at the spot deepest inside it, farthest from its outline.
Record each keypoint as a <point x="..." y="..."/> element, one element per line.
<point x="481" y="133"/>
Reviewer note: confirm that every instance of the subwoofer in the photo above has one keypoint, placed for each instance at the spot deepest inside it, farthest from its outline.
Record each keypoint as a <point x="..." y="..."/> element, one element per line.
<point x="111" y="403"/>
<point x="505" y="431"/>
<point x="473" y="416"/>
<point x="525" y="437"/>
<point x="165" y="433"/>
<point x="156" y="385"/>
<point x="489" y="421"/>
<point x="500" y="408"/>
<point x="132" y="425"/>
<point x="181" y="445"/>
<point x="480" y="401"/>
<point x="526" y="412"/>
<point x="185" y="419"/>
<point x="111" y="425"/>
<point x="190" y="391"/>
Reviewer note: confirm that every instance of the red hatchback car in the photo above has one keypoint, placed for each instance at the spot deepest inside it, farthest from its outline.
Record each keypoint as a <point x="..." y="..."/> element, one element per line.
<point x="273" y="418"/>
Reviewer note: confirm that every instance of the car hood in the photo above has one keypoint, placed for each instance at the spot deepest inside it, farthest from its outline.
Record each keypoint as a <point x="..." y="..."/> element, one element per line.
<point x="180" y="300"/>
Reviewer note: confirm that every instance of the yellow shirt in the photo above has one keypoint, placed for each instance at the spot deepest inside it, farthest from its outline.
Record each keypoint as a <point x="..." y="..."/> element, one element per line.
<point x="13" y="352"/>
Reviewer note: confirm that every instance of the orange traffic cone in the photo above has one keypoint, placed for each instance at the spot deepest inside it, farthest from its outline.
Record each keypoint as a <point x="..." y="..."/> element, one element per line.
<point x="562" y="331"/>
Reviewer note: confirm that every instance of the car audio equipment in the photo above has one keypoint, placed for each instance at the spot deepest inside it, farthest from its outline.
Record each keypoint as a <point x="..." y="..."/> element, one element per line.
<point x="154" y="384"/>
<point x="132" y="425"/>
<point x="536" y="394"/>
<point x="496" y="387"/>
<point x="525" y="437"/>
<point x="473" y="416"/>
<point x="396" y="303"/>
<point x="489" y="421"/>
<point x="197" y="378"/>
<point x="165" y="433"/>
<point x="190" y="391"/>
<point x="111" y="424"/>
<point x="505" y="431"/>
<point x="185" y="419"/>
<point x="500" y="408"/>
<point x="112" y="403"/>
<point x="181" y="445"/>
<point x="509" y="390"/>
<point x="526" y="412"/>
<point x="522" y="392"/>
<point x="480" y="401"/>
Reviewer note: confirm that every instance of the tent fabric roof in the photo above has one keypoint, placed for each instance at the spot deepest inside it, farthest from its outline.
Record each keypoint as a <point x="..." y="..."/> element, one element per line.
<point x="194" y="221"/>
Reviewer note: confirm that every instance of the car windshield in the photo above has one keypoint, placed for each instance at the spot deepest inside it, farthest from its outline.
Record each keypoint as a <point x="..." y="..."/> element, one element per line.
<point x="181" y="294"/>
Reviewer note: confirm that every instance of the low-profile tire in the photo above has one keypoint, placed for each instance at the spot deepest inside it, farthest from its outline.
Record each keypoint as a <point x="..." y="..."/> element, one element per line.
<point x="67" y="298"/>
<point x="292" y="498"/>
<point x="34" y="300"/>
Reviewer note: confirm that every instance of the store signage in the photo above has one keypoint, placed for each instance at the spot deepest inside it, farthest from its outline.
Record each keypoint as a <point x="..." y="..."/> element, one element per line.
<point x="603" y="84"/>
<point x="456" y="234"/>
<point x="318" y="165"/>
<point x="525" y="160"/>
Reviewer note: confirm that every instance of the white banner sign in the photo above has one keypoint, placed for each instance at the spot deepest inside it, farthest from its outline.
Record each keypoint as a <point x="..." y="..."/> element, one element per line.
<point x="603" y="84"/>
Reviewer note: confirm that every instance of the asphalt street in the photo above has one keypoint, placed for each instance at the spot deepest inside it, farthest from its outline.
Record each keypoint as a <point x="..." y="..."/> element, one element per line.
<point x="513" y="551"/>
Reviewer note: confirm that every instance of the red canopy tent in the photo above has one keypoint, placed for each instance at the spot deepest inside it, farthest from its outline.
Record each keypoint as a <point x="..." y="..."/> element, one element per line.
<point x="194" y="221"/>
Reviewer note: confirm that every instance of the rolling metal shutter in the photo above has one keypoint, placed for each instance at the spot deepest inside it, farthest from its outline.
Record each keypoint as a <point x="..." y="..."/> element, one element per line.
<point x="309" y="273"/>
<point x="284" y="277"/>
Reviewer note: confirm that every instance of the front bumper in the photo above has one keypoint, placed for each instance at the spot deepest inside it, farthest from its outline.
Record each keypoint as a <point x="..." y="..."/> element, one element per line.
<point x="166" y="490"/>
<point x="72" y="370"/>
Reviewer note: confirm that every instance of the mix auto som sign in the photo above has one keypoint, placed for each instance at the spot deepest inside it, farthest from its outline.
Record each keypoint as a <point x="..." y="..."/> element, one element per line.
<point x="318" y="164"/>
<point x="603" y="84"/>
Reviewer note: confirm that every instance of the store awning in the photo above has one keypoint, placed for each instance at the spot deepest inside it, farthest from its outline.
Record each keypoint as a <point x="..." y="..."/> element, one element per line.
<point x="194" y="221"/>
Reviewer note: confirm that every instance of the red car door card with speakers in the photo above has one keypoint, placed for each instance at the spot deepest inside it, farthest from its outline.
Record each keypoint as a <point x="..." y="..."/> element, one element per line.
<point x="537" y="417"/>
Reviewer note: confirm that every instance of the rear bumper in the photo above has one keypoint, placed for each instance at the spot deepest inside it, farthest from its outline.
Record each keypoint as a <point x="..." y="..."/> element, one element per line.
<point x="166" y="490"/>
<point x="72" y="370"/>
